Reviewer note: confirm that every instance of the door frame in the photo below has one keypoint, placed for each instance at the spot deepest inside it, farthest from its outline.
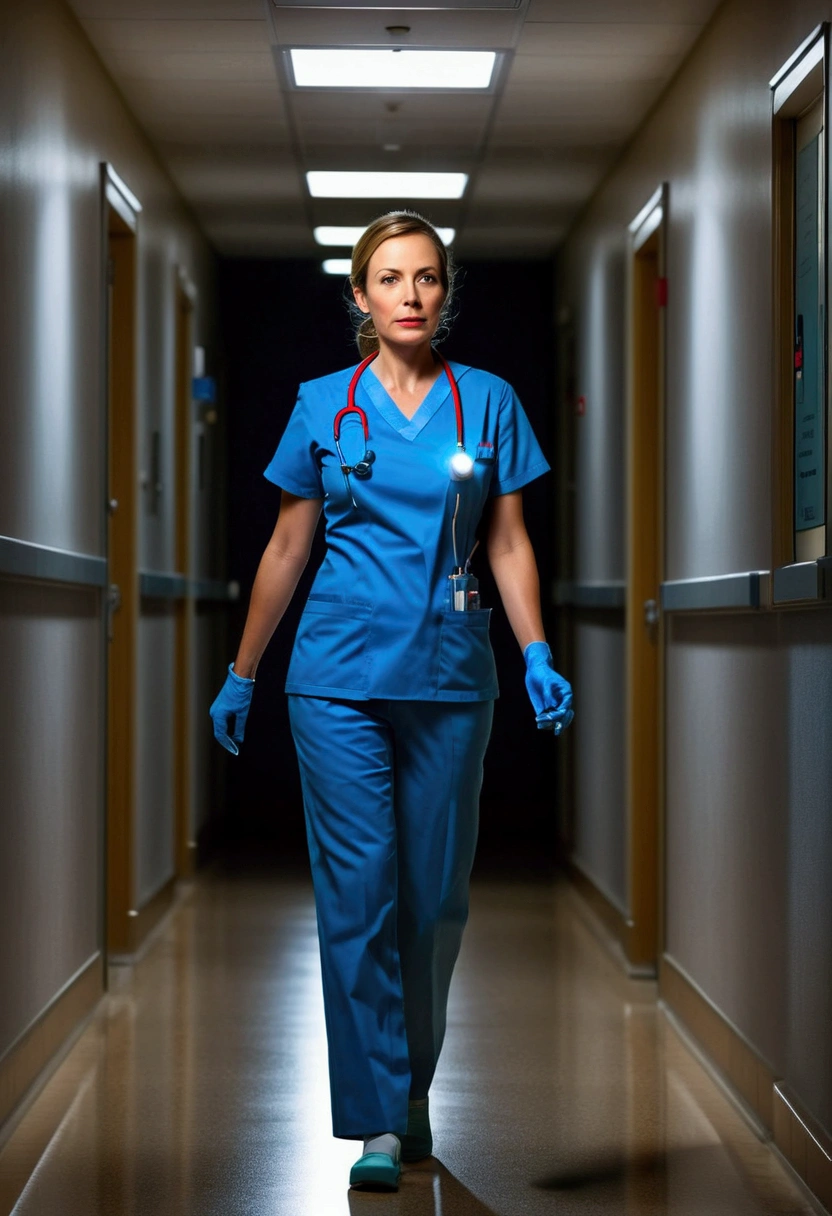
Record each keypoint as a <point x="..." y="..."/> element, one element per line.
<point x="185" y="306"/>
<point x="120" y="211"/>
<point x="645" y="523"/>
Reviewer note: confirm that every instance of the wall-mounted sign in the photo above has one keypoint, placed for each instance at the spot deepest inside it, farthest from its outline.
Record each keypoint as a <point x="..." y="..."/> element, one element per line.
<point x="204" y="388"/>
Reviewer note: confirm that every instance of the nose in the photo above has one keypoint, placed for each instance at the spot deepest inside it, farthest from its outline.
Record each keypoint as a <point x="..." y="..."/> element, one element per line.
<point x="412" y="297"/>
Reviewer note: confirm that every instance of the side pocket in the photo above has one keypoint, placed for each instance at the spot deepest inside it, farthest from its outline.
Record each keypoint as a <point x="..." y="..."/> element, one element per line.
<point x="466" y="661"/>
<point x="332" y="645"/>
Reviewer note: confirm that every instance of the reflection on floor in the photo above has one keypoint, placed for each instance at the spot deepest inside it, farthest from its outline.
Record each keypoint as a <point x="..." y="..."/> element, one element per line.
<point x="200" y="1087"/>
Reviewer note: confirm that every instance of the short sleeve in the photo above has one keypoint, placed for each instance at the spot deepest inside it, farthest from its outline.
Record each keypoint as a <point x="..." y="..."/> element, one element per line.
<point x="518" y="456"/>
<point x="294" y="466"/>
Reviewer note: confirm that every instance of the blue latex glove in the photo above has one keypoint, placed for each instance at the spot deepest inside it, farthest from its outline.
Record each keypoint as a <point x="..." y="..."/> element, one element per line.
<point x="231" y="708"/>
<point x="550" y="694"/>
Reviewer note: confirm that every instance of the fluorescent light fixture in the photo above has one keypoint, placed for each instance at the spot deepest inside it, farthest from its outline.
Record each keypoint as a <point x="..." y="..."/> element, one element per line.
<point x="338" y="68"/>
<point x="325" y="184"/>
<point x="333" y="235"/>
<point x="337" y="266"/>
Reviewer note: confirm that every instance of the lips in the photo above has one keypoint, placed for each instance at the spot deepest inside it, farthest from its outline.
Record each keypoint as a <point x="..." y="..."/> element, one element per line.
<point x="411" y="321"/>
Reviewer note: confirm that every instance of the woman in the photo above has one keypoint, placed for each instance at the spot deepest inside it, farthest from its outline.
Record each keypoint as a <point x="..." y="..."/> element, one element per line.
<point x="392" y="681"/>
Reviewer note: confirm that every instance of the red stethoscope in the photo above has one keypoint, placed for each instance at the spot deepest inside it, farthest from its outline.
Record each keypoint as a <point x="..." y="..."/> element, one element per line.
<point x="462" y="466"/>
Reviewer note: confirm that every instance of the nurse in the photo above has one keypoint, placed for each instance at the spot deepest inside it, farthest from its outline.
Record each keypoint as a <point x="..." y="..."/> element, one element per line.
<point x="392" y="681"/>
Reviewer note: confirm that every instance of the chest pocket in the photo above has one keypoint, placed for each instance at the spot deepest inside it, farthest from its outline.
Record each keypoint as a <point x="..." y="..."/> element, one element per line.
<point x="332" y="645"/>
<point x="485" y="451"/>
<point x="466" y="661"/>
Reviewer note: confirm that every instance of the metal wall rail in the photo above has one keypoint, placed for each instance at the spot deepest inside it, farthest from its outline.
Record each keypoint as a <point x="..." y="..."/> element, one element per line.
<point x="611" y="594"/>
<point x="23" y="559"/>
<point x="800" y="585"/>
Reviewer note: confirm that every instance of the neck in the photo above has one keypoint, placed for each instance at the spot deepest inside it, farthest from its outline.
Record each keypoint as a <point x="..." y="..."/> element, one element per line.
<point x="404" y="367"/>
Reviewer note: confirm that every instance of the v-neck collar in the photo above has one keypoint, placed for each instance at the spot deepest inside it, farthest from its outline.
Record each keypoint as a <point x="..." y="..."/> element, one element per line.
<point x="408" y="428"/>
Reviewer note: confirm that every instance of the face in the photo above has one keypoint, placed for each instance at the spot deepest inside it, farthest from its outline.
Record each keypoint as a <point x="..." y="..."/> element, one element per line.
<point x="404" y="292"/>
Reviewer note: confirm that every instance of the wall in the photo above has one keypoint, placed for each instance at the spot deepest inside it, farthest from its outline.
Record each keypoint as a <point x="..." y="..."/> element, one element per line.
<point x="748" y="709"/>
<point x="60" y="117"/>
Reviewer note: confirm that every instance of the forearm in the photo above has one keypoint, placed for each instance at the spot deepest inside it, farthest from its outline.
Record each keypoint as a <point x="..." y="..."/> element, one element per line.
<point x="515" y="573"/>
<point x="274" y="586"/>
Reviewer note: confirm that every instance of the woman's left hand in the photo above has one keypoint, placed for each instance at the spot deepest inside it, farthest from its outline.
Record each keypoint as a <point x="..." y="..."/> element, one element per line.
<point x="550" y="693"/>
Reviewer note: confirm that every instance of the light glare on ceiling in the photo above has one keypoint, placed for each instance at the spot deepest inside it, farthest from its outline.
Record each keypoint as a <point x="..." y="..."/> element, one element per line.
<point x="340" y="68"/>
<point x="336" y="265"/>
<point x="334" y="235"/>
<point x="349" y="184"/>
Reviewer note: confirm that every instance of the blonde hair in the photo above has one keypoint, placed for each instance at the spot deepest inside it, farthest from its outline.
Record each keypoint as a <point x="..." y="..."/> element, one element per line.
<point x="396" y="223"/>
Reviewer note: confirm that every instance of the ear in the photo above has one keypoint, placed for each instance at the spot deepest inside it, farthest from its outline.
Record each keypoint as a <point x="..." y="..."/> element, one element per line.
<point x="360" y="299"/>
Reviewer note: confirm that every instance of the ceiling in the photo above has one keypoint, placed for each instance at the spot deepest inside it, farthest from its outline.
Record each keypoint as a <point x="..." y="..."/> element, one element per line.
<point x="207" y="81"/>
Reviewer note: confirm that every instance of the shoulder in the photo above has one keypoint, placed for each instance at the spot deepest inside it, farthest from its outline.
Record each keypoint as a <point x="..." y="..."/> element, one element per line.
<point x="478" y="380"/>
<point x="325" y="386"/>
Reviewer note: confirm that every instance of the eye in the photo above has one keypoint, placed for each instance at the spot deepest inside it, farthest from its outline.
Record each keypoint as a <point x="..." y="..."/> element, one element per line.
<point x="388" y="278"/>
<point x="429" y="278"/>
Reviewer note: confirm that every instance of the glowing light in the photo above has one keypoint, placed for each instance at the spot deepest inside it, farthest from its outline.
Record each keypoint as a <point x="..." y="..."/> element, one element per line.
<point x="339" y="68"/>
<point x="336" y="266"/>
<point x="349" y="184"/>
<point x="334" y="235"/>
<point x="462" y="466"/>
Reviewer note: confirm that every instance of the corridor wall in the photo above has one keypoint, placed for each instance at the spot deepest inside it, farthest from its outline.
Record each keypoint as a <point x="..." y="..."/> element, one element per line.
<point x="748" y="719"/>
<point x="60" y="118"/>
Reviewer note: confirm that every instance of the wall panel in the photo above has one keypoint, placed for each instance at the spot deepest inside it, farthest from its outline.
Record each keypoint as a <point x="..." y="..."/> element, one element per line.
<point x="50" y="777"/>
<point x="600" y="843"/>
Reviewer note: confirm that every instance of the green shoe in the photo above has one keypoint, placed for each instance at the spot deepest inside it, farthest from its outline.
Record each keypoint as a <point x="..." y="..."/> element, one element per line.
<point x="376" y="1172"/>
<point x="417" y="1142"/>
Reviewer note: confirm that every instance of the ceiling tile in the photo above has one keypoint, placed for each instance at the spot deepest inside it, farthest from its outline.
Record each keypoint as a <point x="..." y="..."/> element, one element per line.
<point x="549" y="184"/>
<point x="258" y="99"/>
<point x="613" y="39"/>
<point x="237" y="178"/>
<point x="170" y="10"/>
<point x="215" y="67"/>
<point x="172" y="35"/>
<point x="367" y="27"/>
<point x="664" y="12"/>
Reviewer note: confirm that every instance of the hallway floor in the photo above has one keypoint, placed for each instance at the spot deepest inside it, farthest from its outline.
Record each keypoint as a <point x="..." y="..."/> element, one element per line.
<point x="200" y="1085"/>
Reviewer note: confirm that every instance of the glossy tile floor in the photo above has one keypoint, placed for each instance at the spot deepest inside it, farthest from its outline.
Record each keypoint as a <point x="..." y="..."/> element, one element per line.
<point x="200" y="1086"/>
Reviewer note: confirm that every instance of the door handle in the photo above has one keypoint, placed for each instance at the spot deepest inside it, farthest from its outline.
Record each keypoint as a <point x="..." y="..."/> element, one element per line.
<point x="113" y="605"/>
<point x="651" y="613"/>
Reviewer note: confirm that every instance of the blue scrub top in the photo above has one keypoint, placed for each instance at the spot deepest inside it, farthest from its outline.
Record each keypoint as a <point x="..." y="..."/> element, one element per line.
<point x="378" y="621"/>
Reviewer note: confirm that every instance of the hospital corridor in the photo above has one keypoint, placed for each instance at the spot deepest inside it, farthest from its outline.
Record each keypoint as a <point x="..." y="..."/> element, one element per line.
<point x="415" y="608"/>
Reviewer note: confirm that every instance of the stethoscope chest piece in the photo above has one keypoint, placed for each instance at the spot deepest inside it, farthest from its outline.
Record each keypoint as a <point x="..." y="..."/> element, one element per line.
<point x="462" y="466"/>
<point x="364" y="467"/>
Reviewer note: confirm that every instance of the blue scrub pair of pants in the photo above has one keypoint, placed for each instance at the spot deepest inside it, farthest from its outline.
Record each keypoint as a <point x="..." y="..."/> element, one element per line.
<point x="391" y="795"/>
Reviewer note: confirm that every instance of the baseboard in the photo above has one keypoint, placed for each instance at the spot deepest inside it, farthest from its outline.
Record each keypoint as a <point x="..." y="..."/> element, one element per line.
<point x="611" y="917"/>
<point x="804" y="1143"/>
<point x="735" y="1058"/>
<point x="148" y="918"/>
<point x="24" y="1062"/>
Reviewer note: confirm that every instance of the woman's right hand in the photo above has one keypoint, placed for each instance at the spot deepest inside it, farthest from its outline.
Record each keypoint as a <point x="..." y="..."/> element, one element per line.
<point x="230" y="710"/>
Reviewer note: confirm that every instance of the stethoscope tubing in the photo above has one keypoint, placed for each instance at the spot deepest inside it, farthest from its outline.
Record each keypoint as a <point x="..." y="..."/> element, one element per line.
<point x="352" y="408"/>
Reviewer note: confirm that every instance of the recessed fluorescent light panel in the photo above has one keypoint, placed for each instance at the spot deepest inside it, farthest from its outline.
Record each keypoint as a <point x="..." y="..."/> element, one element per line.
<point x="349" y="184"/>
<point x="448" y="5"/>
<point x="337" y="266"/>
<point x="337" y="68"/>
<point x="333" y="235"/>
